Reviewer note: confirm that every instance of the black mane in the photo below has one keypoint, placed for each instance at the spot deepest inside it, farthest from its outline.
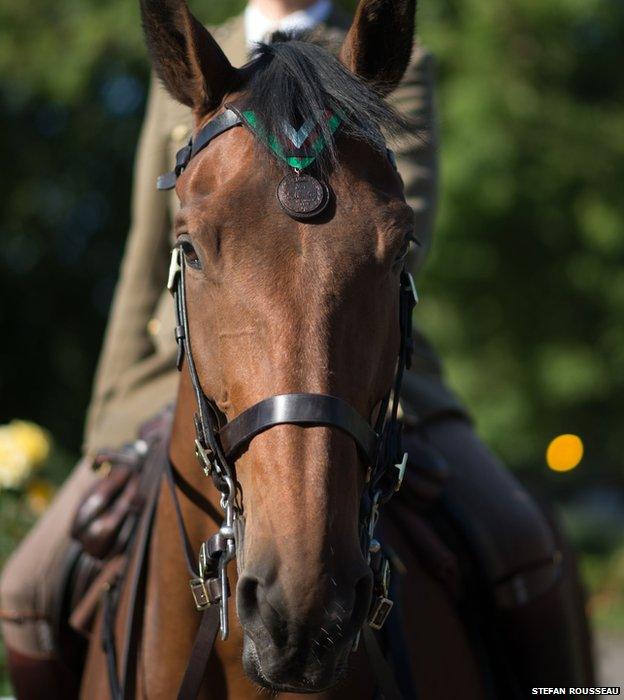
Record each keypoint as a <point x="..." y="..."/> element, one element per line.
<point x="294" y="79"/>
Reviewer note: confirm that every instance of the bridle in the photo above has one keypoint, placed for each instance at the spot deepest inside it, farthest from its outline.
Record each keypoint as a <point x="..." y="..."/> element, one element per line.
<point x="219" y="442"/>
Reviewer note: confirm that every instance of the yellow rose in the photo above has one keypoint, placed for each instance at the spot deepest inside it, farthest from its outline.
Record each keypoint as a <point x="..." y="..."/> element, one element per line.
<point x="15" y="467"/>
<point x="33" y="441"/>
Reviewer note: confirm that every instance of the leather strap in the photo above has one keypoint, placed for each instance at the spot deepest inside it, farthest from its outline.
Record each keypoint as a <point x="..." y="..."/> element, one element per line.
<point x="134" y="618"/>
<point x="194" y="496"/>
<point x="211" y="621"/>
<point x="204" y="136"/>
<point x="214" y="128"/>
<point x="383" y="673"/>
<point x="297" y="409"/>
<point x="122" y="684"/>
<point x="200" y="654"/>
<point x="111" y="599"/>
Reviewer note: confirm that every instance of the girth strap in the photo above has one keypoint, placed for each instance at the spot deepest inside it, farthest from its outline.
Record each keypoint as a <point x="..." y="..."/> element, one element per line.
<point x="297" y="409"/>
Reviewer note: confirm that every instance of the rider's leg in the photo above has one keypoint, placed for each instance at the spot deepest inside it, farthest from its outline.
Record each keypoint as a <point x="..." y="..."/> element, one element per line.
<point x="29" y="588"/>
<point x="537" y="609"/>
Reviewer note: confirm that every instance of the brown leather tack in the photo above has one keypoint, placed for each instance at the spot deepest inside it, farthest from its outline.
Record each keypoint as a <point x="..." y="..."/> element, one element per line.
<point x="83" y="615"/>
<point x="105" y="509"/>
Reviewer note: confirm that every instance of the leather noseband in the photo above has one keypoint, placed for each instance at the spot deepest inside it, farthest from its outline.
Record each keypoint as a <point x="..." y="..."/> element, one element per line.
<point x="298" y="409"/>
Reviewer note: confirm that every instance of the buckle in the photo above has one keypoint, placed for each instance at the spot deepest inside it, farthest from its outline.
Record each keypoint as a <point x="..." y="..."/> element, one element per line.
<point x="204" y="455"/>
<point x="380" y="611"/>
<point x="174" y="270"/>
<point x="412" y="285"/>
<point x="205" y="593"/>
<point x="401" y="466"/>
<point x="386" y="573"/>
<point x="183" y="156"/>
<point x="166" y="182"/>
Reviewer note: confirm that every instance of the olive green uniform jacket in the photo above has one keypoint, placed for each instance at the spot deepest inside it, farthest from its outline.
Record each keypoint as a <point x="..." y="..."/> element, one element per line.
<point x="136" y="375"/>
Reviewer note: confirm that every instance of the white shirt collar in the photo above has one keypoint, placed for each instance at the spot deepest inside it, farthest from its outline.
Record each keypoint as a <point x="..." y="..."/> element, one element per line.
<point x="258" y="27"/>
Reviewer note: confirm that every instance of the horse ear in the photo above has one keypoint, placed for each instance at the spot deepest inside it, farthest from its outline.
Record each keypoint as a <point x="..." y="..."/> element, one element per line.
<point x="379" y="43"/>
<point x="186" y="58"/>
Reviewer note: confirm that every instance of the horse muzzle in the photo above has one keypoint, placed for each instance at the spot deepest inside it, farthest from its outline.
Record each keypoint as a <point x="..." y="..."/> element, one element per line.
<point x="301" y="647"/>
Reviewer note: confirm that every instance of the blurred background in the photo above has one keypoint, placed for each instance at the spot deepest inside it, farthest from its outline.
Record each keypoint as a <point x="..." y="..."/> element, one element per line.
<point x="523" y="293"/>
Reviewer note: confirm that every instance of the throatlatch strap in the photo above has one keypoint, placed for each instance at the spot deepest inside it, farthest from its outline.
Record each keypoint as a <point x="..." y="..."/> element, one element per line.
<point x="297" y="409"/>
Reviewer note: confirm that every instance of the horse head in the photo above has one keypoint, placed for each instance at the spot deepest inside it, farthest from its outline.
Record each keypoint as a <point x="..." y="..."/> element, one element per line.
<point x="280" y="303"/>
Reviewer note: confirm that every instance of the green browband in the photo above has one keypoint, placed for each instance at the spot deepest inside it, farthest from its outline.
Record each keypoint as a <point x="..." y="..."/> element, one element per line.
<point x="299" y="148"/>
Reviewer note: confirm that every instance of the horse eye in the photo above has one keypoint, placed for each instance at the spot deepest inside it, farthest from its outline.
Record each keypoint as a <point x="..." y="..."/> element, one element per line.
<point x="191" y="257"/>
<point x="402" y="254"/>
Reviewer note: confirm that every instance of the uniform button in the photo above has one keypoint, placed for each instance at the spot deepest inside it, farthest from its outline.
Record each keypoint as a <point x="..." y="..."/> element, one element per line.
<point x="153" y="326"/>
<point x="180" y="132"/>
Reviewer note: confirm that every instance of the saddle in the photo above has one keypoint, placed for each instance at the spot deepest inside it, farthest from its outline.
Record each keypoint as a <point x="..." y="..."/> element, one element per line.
<point x="103" y="532"/>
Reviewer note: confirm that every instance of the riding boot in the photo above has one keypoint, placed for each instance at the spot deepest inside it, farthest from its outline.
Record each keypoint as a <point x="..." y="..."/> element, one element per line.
<point x="544" y="645"/>
<point x="35" y="678"/>
<point x="548" y="639"/>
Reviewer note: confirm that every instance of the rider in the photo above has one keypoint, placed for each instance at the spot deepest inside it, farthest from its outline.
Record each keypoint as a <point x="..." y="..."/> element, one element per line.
<point x="137" y="376"/>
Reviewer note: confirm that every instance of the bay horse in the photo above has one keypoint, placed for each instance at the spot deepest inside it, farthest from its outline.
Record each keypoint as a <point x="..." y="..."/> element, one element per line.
<point x="291" y="316"/>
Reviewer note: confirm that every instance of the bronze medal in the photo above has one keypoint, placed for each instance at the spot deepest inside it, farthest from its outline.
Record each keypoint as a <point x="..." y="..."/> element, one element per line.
<point x="302" y="196"/>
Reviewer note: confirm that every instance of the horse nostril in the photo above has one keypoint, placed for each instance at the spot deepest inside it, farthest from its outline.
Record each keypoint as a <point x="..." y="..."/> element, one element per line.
<point x="255" y="611"/>
<point x="339" y="617"/>
<point x="247" y="599"/>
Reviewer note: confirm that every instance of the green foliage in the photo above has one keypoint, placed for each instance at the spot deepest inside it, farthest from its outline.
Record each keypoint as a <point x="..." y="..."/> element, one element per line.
<point x="524" y="292"/>
<point x="54" y="48"/>
<point x="604" y="579"/>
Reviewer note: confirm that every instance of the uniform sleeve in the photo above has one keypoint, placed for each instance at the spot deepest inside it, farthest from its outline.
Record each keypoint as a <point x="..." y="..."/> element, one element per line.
<point x="417" y="155"/>
<point x="144" y="267"/>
